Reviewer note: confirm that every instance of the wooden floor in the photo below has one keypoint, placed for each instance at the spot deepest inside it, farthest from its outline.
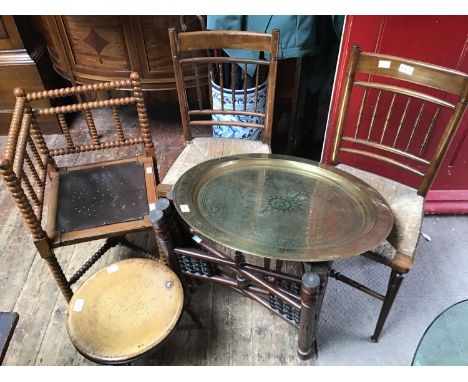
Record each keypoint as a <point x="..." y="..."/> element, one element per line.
<point x="236" y="331"/>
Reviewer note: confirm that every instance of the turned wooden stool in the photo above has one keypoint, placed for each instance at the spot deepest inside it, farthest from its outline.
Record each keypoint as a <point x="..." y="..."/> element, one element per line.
<point x="125" y="311"/>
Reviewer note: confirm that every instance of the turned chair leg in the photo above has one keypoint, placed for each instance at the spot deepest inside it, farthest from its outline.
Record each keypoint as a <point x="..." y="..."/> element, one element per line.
<point x="394" y="283"/>
<point x="49" y="256"/>
<point x="59" y="277"/>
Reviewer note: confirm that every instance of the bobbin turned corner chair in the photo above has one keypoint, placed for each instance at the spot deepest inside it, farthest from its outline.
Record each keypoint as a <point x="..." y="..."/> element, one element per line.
<point x="86" y="202"/>
<point x="409" y="130"/>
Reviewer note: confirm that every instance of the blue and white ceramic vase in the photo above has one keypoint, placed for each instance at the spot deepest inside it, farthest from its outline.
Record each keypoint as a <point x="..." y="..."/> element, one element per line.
<point x="227" y="131"/>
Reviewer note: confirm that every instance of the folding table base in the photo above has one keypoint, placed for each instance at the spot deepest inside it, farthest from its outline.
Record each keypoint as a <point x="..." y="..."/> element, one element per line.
<point x="297" y="300"/>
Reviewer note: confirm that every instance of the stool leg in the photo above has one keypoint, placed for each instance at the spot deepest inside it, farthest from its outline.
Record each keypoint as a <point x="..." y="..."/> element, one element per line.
<point x="126" y="243"/>
<point x="170" y="215"/>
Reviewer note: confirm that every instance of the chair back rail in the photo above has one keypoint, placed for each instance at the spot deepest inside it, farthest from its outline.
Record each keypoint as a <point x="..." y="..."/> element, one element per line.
<point x="403" y="134"/>
<point x="200" y="40"/>
<point x="133" y="85"/>
<point x="230" y="74"/>
<point x="418" y="72"/>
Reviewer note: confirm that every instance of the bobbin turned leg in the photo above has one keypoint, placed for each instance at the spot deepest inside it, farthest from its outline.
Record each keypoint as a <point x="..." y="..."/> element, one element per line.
<point x="13" y="184"/>
<point x="59" y="277"/>
<point x="307" y="327"/>
<point x="46" y="253"/>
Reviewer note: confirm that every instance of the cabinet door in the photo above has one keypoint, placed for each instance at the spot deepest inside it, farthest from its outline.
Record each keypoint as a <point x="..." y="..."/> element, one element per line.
<point x="440" y="40"/>
<point x="20" y="68"/>
<point x="9" y="36"/>
<point x="154" y="52"/>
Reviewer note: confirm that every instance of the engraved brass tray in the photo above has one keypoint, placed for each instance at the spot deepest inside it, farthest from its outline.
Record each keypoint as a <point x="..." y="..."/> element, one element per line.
<point x="282" y="207"/>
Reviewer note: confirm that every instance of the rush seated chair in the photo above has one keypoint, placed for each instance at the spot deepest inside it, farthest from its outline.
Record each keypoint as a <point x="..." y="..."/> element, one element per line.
<point x="90" y="201"/>
<point x="201" y="51"/>
<point x="396" y="117"/>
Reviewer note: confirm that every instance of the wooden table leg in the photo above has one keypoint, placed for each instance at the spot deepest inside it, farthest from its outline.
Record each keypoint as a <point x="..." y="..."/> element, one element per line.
<point x="165" y="242"/>
<point x="166" y="247"/>
<point x="314" y="282"/>
<point x="175" y="226"/>
<point x="170" y="215"/>
<point x="309" y="293"/>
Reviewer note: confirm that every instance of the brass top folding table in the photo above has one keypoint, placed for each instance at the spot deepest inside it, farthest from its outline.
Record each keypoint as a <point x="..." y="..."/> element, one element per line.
<point x="275" y="207"/>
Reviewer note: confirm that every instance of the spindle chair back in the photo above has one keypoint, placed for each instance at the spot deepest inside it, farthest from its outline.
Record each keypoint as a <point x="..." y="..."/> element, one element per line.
<point x="204" y="52"/>
<point x="406" y="136"/>
<point x="224" y="71"/>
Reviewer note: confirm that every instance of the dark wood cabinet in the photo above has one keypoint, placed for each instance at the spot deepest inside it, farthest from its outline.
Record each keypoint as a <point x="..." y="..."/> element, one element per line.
<point x="24" y="62"/>
<point x="86" y="49"/>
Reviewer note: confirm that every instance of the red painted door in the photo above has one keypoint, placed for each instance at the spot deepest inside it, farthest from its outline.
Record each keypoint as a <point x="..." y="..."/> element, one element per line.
<point x="440" y="40"/>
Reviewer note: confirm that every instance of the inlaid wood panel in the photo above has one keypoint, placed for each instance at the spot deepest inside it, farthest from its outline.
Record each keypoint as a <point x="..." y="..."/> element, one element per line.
<point x="97" y="43"/>
<point x="102" y="48"/>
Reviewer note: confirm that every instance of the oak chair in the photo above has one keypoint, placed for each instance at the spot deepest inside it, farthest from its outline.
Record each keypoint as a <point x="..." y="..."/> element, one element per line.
<point x="409" y="130"/>
<point x="86" y="202"/>
<point x="221" y="70"/>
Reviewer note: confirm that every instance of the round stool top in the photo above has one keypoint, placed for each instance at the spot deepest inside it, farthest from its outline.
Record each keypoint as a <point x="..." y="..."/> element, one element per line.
<point x="124" y="310"/>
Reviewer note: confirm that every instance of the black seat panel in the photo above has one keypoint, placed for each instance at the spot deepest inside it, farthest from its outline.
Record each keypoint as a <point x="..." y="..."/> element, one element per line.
<point x="101" y="195"/>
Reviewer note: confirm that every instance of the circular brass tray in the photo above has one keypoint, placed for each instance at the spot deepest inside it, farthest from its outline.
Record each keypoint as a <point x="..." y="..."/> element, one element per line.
<point x="282" y="207"/>
<point x="124" y="310"/>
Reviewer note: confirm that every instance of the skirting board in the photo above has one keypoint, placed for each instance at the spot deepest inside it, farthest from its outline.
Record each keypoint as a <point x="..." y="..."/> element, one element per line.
<point x="440" y="202"/>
